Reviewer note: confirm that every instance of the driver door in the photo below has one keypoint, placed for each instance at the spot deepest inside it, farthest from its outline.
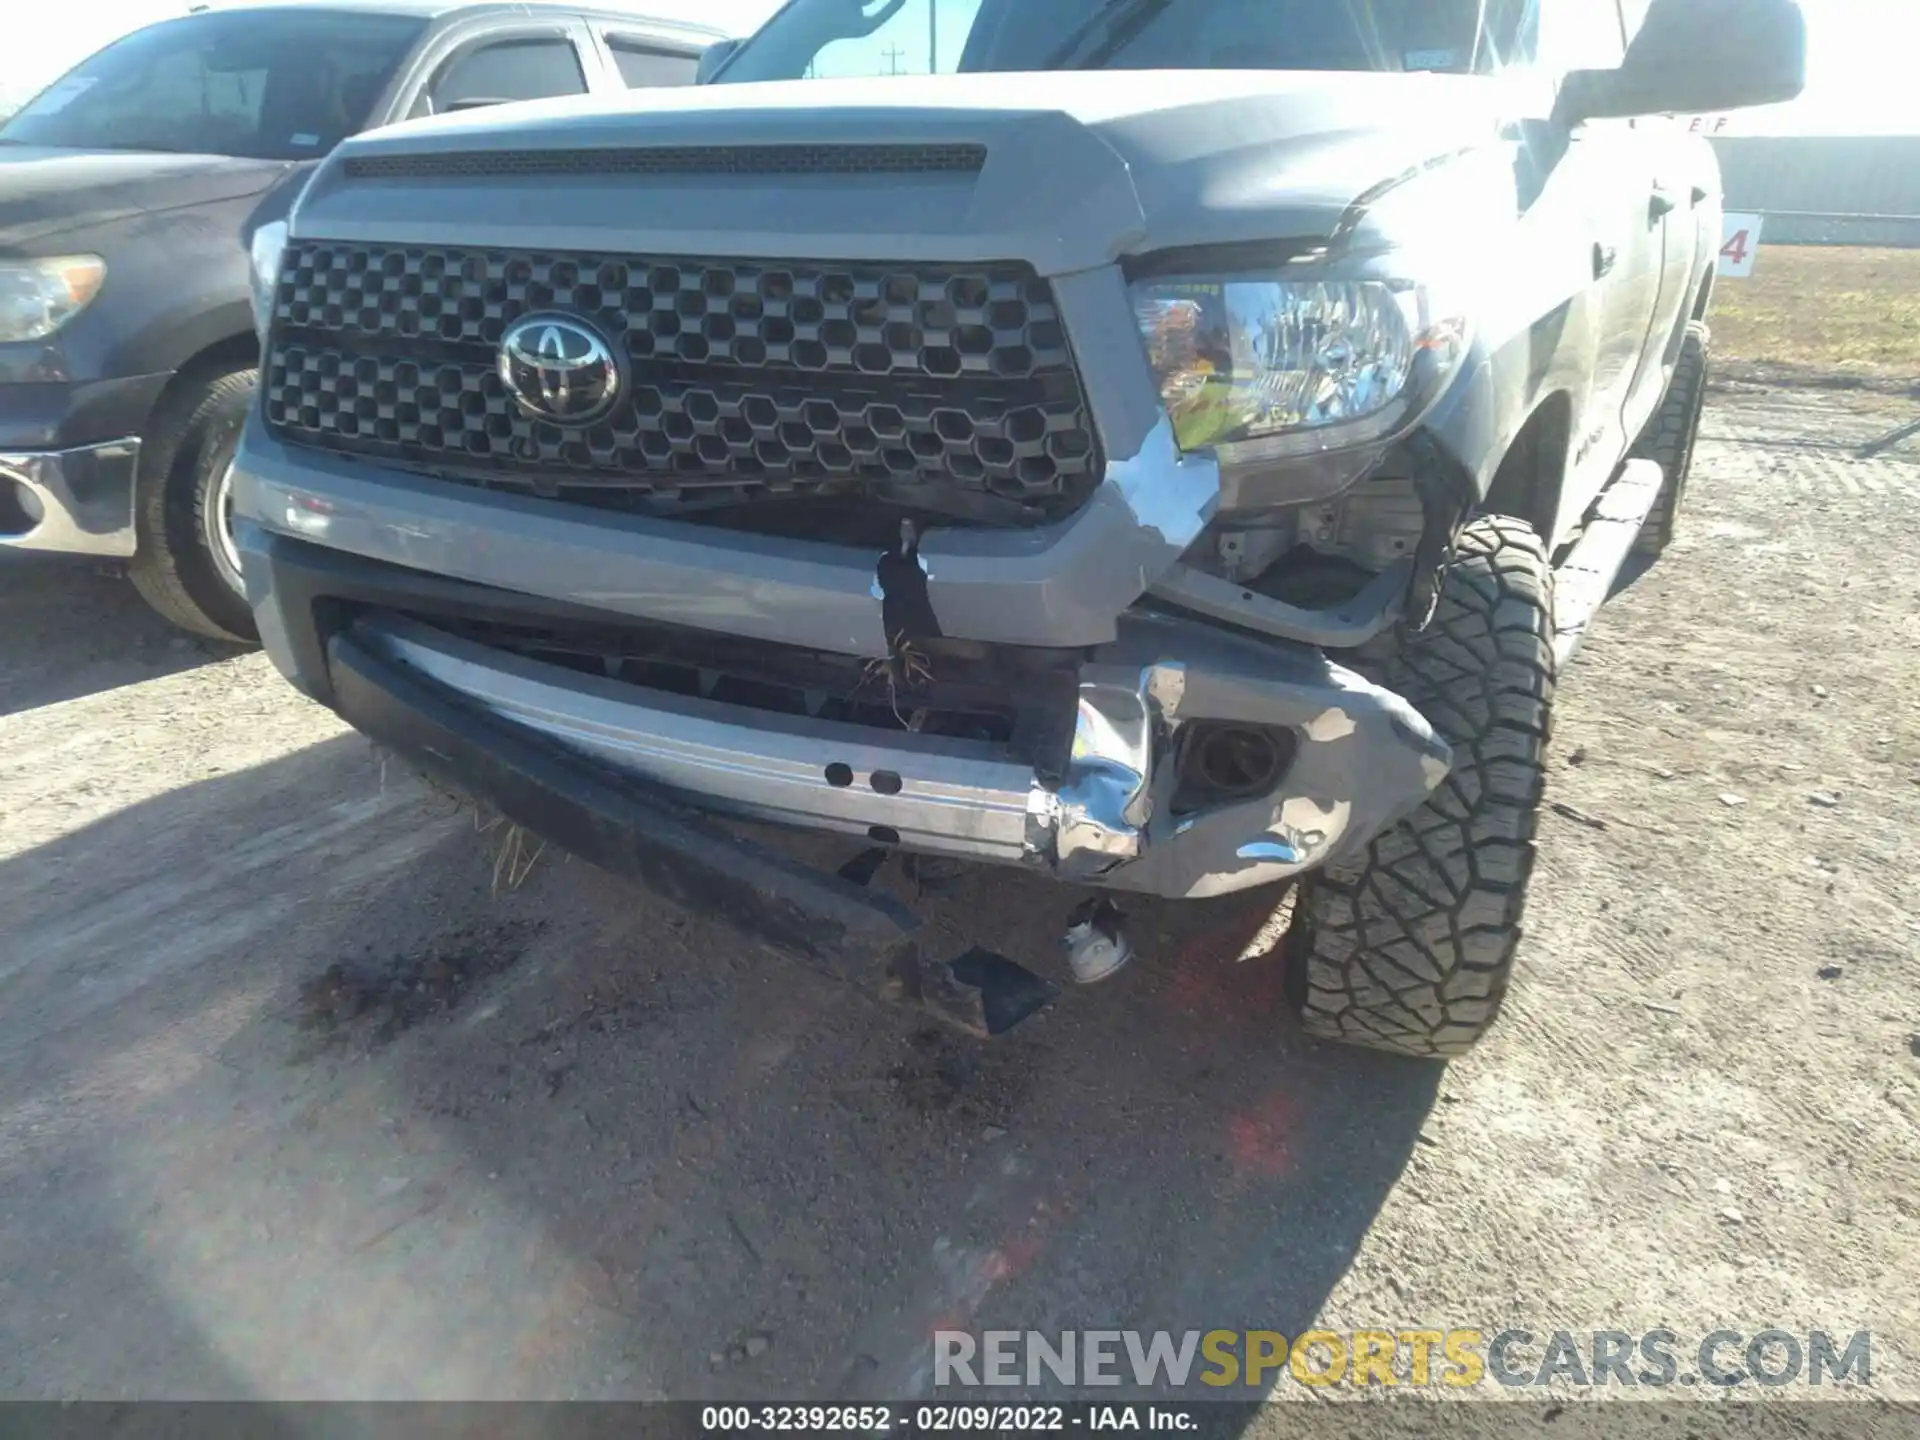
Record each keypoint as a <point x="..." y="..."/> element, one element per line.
<point x="1617" y="166"/>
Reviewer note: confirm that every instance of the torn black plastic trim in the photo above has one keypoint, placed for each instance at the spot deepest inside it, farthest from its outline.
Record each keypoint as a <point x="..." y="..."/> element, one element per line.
<point x="1448" y="497"/>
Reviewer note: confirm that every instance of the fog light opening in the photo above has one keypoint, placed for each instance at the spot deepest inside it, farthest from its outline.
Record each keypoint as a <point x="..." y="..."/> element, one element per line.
<point x="1221" y="763"/>
<point x="20" y="509"/>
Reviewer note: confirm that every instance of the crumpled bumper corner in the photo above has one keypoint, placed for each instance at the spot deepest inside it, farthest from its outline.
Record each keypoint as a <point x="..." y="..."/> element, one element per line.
<point x="1363" y="759"/>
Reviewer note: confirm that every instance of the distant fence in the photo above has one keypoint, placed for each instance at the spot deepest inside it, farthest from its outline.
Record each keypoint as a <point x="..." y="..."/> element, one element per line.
<point x="1826" y="189"/>
<point x="1803" y="227"/>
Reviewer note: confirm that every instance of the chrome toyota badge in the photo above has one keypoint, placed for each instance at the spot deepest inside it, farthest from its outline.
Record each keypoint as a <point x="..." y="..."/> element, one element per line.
<point x="559" y="369"/>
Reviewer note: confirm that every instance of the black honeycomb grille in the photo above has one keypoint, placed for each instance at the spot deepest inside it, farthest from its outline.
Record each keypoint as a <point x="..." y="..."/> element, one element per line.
<point x="677" y="160"/>
<point x="744" y="378"/>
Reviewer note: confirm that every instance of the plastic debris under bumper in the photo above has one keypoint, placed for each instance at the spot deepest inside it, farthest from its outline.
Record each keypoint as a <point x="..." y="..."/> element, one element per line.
<point x="1363" y="758"/>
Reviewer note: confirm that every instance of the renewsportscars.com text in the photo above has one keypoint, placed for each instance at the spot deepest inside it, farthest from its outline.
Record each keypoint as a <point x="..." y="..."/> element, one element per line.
<point x="1260" y="1359"/>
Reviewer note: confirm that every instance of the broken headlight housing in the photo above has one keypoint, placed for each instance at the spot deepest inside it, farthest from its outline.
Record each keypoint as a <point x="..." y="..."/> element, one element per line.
<point x="1258" y="368"/>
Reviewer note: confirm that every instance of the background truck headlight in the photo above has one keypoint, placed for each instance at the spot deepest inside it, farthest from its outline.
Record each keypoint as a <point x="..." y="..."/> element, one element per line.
<point x="37" y="297"/>
<point x="1260" y="369"/>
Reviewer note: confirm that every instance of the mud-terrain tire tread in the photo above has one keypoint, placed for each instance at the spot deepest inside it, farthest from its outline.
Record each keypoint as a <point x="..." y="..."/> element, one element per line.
<point x="171" y="568"/>
<point x="1670" y="437"/>
<point x="1410" y="947"/>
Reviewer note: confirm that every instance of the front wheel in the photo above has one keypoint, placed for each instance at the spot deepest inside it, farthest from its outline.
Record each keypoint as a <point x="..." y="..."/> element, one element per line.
<point x="1410" y="948"/>
<point x="187" y="565"/>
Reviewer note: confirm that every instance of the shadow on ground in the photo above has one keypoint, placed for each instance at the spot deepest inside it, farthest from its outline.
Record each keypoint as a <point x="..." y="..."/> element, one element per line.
<point x="73" y="628"/>
<point x="361" y="1127"/>
<point x="296" y="1100"/>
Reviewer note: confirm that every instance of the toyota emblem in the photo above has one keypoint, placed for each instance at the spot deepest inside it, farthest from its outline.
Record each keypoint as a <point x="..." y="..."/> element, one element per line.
<point x="559" y="369"/>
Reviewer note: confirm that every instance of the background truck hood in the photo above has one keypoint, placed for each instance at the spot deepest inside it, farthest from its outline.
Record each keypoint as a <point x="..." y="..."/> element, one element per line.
<point x="46" y="192"/>
<point x="1081" y="167"/>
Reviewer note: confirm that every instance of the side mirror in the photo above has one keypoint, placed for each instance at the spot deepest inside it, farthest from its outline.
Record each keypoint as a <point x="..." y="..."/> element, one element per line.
<point x="712" y="58"/>
<point x="1692" y="57"/>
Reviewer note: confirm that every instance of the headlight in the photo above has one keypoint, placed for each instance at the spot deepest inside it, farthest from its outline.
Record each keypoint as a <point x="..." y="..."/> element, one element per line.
<point x="1262" y="369"/>
<point x="269" y="244"/>
<point x="37" y="297"/>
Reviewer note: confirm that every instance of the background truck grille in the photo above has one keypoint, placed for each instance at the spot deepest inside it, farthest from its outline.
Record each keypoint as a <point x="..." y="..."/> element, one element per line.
<point x="745" y="379"/>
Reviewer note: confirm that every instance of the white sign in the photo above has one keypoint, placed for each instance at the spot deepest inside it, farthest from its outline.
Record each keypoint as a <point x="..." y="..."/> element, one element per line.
<point x="1739" y="242"/>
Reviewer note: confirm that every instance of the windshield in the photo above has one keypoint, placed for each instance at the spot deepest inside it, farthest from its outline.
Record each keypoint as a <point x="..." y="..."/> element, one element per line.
<point x="836" y="38"/>
<point x="273" y="84"/>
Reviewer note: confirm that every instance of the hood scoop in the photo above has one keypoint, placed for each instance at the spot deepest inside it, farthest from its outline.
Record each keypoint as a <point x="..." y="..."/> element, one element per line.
<point x="926" y="159"/>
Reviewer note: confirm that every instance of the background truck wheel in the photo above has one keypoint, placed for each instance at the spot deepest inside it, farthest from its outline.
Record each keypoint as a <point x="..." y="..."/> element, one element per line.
<point x="1410" y="947"/>
<point x="186" y="566"/>
<point x="1669" y="438"/>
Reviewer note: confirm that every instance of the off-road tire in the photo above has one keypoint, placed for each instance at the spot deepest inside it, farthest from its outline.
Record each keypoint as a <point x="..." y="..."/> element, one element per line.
<point x="181" y="461"/>
<point x="1410" y="947"/>
<point x="1670" y="436"/>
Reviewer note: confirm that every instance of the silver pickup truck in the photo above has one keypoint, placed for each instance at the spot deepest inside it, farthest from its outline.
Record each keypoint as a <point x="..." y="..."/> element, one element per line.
<point x="1170" y="445"/>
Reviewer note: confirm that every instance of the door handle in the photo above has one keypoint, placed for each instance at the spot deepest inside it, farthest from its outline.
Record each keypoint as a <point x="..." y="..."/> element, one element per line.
<point x="1604" y="259"/>
<point x="1663" y="202"/>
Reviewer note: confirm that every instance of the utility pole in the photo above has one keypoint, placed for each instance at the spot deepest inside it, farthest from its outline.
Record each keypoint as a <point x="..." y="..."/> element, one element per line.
<point x="892" y="56"/>
<point x="933" y="37"/>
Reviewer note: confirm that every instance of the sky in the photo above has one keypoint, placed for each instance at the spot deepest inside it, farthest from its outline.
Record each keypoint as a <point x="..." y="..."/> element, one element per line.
<point x="1859" y="66"/>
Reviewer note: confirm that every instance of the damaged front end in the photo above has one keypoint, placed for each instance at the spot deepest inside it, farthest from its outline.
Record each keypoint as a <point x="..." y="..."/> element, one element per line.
<point x="1180" y="759"/>
<point x="1008" y="561"/>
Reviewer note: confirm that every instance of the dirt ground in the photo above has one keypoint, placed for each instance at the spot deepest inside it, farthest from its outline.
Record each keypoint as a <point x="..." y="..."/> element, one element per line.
<point x="292" y="1104"/>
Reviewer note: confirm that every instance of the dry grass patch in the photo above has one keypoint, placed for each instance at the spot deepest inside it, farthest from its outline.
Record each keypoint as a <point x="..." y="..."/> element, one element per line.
<point x="1815" y="312"/>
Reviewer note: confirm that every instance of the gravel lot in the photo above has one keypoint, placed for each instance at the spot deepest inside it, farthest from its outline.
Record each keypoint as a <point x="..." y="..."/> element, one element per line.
<point x="292" y="1104"/>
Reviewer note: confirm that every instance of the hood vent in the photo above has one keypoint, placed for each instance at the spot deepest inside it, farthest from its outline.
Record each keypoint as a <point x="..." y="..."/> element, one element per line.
<point x="676" y="160"/>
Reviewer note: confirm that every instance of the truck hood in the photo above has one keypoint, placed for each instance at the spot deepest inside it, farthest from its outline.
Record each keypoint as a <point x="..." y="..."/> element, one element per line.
<point x="1070" y="171"/>
<point x="45" y="193"/>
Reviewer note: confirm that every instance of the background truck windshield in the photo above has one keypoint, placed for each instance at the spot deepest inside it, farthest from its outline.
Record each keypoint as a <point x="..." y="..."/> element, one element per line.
<point x="835" y="38"/>
<point x="273" y="84"/>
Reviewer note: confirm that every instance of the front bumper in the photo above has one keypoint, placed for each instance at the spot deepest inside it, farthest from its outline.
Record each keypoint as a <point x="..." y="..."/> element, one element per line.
<point x="75" y="502"/>
<point x="1361" y="756"/>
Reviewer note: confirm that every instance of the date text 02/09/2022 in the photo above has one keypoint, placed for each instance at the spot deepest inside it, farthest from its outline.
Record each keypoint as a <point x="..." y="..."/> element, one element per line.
<point x="943" y="1419"/>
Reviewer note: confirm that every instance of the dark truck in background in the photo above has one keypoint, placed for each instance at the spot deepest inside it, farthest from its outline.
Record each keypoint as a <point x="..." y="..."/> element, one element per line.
<point x="1176" y="454"/>
<point x="127" y="339"/>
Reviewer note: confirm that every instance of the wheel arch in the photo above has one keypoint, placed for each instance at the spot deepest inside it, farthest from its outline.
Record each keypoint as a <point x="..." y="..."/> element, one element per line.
<point x="222" y="356"/>
<point x="1528" y="481"/>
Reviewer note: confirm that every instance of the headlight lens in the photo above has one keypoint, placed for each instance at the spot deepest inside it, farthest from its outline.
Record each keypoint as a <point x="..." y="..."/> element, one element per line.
<point x="37" y="297"/>
<point x="1266" y="368"/>
<point x="269" y="244"/>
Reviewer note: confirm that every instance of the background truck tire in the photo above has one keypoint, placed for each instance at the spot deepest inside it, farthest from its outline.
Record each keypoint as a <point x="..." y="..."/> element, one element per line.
<point x="178" y="567"/>
<point x="1410" y="948"/>
<point x="1669" y="438"/>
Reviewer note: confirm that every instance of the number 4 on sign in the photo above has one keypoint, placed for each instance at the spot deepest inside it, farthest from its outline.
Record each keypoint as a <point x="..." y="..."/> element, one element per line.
<point x="1739" y="243"/>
